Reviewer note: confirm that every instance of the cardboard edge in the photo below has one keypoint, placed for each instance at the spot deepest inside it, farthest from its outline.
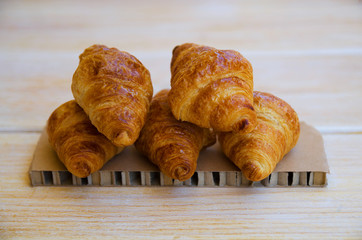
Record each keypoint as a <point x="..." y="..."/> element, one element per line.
<point x="32" y="173"/>
<point x="323" y="145"/>
<point x="200" y="179"/>
<point x="158" y="179"/>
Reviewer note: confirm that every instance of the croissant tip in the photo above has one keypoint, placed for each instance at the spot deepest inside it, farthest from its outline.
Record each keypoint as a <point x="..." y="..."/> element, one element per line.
<point x="253" y="171"/>
<point x="242" y="125"/>
<point x="80" y="167"/>
<point x="174" y="49"/>
<point x="123" y="139"/>
<point x="182" y="173"/>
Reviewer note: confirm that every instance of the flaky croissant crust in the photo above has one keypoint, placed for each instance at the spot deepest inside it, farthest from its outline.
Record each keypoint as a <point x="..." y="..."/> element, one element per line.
<point x="172" y="145"/>
<point x="81" y="148"/>
<point x="212" y="88"/>
<point x="114" y="89"/>
<point x="276" y="133"/>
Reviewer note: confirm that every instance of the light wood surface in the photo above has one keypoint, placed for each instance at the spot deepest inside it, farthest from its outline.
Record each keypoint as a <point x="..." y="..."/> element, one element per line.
<point x="306" y="52"/>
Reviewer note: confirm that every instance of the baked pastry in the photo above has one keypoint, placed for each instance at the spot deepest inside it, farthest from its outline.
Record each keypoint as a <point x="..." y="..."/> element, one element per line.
<point x="115" y="90"/>
<point x="212" y="88"/>
<point x="80" y="147"/>
<point x="172" y="145"/>
<point x="276" y="133"/>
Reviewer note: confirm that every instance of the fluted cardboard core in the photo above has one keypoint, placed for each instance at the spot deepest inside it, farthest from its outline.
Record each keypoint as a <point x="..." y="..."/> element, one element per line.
<point x="305" y="165"/>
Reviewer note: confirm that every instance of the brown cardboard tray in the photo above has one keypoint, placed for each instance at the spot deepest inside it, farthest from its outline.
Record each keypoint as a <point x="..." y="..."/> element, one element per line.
<point x="305" y="165"/>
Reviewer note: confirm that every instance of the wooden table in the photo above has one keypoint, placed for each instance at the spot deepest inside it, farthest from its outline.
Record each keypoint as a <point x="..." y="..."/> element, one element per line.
<point x="308" y="53"/>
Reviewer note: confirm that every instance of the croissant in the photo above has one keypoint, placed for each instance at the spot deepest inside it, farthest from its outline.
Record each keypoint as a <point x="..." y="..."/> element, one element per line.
<point x="81" y="148"/>
<point x="115" y="90"/>
<point x="172" y="145"/>
<point x="276" y="133"/>
<point x="212" y="88"/>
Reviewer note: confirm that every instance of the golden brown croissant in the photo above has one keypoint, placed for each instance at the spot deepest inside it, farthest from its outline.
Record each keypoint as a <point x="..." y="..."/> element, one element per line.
<point x="276" y="133"/>
<point x="115" y="90"/>
<point x="212" y="88"/>
<point x="81" y="148"/>
<point x="172" y="145"/>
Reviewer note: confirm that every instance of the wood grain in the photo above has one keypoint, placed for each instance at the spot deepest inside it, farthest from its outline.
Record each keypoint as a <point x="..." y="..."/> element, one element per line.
<point x="322" y="89"/>
<point x="213" y="213"/>
<point x="306" y="52"/>
<point x="299" y="52"/>
<point x="281" y="25"/>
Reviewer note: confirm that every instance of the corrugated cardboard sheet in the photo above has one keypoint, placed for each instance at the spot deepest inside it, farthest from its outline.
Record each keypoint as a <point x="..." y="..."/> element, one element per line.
<point x="305" y="165"/>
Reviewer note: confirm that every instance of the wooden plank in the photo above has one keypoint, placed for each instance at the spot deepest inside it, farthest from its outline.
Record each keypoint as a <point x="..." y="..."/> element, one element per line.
<point x="308" y="53"/>
<point x="299" y="52"/>
<point x="310" y="84"/>
<point x="82" y="212"/>
<point x="277" y="25"/>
